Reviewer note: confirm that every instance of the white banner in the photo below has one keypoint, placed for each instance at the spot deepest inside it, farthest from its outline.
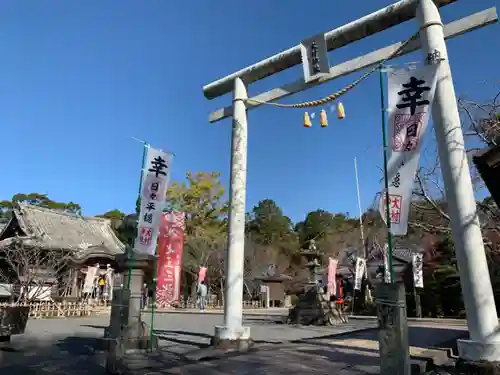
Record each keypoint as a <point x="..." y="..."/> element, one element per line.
<point x="400" y="194"/>
<point x="155" y="179"/>
<point x="360" y="272"/>
<point x="88" y="286"/>
<point x="387" y="271"/>
<point x="410" y="97"/>
<point x="418" y="273"/>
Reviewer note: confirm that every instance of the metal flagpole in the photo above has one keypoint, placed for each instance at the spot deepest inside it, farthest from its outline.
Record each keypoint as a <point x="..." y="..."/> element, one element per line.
<point x="360" y="224"/>
<point x="386" y="177"/>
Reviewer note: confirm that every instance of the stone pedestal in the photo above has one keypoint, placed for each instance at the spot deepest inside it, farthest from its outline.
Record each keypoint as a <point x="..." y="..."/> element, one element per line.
<point x="315" y="308"/>
<point x="477" y="367"/>
<point x="478" y="357"/>
<point x="126" y="331"/>
<point x="119" y="314"/>
<point x="225" y="339"/>
<point x="393" y="329"/>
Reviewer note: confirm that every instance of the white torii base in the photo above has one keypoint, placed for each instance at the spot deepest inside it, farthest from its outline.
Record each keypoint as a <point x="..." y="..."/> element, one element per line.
<point x="226" y="338"/>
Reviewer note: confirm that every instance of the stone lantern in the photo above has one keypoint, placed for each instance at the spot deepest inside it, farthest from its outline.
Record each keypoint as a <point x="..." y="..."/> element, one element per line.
<point x="312" y="256"/>
<point x="313" y="305"/>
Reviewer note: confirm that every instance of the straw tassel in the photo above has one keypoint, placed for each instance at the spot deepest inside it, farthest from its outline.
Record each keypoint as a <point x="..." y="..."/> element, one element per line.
<point x="307" y="120"/>
<point x="340" y="111"/>
<point x="323" y="120"/>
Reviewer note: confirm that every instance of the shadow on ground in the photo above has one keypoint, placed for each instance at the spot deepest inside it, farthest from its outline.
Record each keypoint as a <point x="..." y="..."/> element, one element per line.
<point x="182" y="337"/>
<point x="342" y="353"/>
<point x="423" y="337"/>
<point x="69" y="355"/>
<point x="433" y="346"/>
<point x="345" y="353"/>
<point x="201" y="340"/>
<point x="289" y="359"/>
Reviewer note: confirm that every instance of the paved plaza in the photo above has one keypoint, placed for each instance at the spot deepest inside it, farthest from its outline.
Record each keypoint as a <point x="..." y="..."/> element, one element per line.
<point x="62" y="346"/>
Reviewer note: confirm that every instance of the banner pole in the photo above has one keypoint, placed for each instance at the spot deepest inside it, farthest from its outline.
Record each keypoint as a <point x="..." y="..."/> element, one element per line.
<point x="360" y="227"/>
<point x="353" y="298"/>
<point x="138" y="202"/>
<point x="359" y="204"/>
<point x="386" y="177"/>
<point x="153" y="305"/>
<point x="155" y="283"/>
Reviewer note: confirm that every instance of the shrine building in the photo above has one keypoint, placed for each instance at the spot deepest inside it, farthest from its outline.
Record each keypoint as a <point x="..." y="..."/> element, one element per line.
<point x="87" y="241"/>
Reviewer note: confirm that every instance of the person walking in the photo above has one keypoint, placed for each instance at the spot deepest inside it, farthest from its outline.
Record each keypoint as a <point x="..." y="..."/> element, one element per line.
<point x="202" y="294"/>
<point x="144" y="296"/>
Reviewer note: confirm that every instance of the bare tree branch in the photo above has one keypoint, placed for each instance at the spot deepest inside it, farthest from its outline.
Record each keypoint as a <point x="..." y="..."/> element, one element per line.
<point x="482" y="119"/>
<point x="34" y="271"/>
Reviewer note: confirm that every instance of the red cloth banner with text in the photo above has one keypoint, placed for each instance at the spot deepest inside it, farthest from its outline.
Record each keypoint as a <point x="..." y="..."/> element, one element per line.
<point x="170" y="245"/>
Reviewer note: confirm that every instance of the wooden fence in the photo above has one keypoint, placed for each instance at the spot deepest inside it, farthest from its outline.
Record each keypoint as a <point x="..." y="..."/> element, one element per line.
<point x="65" y="309"/>
<point x="193" y="304"/>
<point x="212" y="304"/>
<point x="51" y="309"/>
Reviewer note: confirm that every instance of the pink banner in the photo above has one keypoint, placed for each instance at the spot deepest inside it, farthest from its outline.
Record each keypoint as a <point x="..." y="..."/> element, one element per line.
<point x="170" y="244"/>
<point x="202" y="274"/>
<point x="332" y="270"/>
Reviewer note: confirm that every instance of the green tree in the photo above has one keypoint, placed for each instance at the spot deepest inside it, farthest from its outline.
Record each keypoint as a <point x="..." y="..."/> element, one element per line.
<point x="113" y="215"/>
<point x="37" y="199"/>
<point x="270" y="240"/>
<point x="5" y="210"/>
<point x="125" y="226"/>
<point x="318" y="225"/>
<point x="201" y="198"/>
<point x="267" y="224"/>
<point x="442" y="294"/>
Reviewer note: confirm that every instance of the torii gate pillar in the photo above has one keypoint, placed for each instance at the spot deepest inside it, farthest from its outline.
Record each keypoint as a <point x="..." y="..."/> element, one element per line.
<point x="484" y="341"/>
<point x="232" y="333"/>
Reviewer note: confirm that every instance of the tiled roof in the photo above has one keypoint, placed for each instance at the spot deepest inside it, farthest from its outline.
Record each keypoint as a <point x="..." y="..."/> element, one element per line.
<point x="53" y="229"/>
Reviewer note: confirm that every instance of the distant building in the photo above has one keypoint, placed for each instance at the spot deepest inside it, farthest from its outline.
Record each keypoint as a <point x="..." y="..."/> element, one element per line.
<point x="86" y="240"/>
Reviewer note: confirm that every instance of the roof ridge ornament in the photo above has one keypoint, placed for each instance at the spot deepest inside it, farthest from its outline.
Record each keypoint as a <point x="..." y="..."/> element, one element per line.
<point x="84" y="245"/>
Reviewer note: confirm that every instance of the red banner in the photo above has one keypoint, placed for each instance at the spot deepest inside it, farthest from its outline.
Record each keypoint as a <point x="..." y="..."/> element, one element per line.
<point x="332" y="271"/>
<point x="170" y="244"/>
<point x="202" y="274"/>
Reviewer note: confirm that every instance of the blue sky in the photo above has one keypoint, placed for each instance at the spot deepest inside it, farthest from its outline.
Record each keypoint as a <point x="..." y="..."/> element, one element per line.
<point x="78" y="78"/>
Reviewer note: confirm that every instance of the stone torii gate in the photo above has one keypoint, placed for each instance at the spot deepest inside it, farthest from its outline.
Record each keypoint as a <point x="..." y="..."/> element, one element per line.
<point x="484" y="343"/>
